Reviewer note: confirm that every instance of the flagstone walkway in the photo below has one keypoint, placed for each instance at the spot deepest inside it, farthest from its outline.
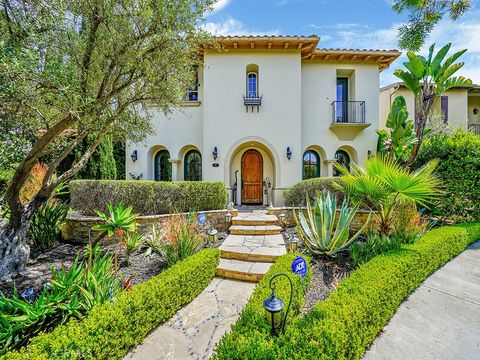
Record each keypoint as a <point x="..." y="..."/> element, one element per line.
<point x="247" y="253"/>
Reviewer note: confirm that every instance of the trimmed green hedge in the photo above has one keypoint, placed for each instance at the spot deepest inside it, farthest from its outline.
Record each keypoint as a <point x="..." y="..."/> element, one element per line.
<point x="459" y="170"/>
<point x="252" y="322"/>
<point x="112" y="329"/>
<point x="295" y="196"/>
<point x="148" y="197"/>
<point x="344" y="325"/>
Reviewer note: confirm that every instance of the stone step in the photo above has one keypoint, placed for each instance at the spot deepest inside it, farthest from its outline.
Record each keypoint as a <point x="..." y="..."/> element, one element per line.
<point x="255" y="230"/>
<point x="256" y="248"/>
<point x="242" y="270"/>
<point x="254" y="219"/>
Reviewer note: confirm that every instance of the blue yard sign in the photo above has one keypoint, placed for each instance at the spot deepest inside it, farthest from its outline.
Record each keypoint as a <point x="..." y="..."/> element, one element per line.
<point x="299" y="266"/>
<point x="202" y="218"/>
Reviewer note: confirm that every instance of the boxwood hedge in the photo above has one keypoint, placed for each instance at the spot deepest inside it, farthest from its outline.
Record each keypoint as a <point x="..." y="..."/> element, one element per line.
<point x="147" y="197"/>
<point x="111" y="329"/>
<point x="344" y="325"/>
<point x="296" y="195"/>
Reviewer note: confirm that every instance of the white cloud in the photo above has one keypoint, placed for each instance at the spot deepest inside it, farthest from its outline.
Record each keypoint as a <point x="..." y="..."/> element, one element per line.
<point x="232" y="26"/>
<point x="219" y="5"/>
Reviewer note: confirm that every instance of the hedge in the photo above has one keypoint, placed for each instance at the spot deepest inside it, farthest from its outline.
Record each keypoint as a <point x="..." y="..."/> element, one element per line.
<point x="112" y="329"/>
<point x="459" y="170"/>
<point x="147" y="197"/>
<point x="296" y="195"/>
<point x="344" y="325"/>
<point x="252" y="322"/>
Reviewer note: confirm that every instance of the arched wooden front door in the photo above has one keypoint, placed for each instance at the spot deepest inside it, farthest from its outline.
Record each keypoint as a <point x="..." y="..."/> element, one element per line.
<point x="252" y="177"/>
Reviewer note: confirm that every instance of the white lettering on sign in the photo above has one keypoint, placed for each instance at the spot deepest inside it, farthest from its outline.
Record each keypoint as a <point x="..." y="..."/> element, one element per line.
<point x="300" y="267"/>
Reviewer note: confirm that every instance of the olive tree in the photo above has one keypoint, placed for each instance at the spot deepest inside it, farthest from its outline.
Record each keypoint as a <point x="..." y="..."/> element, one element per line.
<point x="89" y="67"/>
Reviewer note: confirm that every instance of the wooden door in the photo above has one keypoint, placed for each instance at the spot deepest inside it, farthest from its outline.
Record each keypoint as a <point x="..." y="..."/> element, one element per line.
<point x="252" y="177"/>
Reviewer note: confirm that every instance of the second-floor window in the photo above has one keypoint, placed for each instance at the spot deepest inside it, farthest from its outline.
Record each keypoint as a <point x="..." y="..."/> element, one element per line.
<point x="192" y="92"/>
<point x="252" y="84"/>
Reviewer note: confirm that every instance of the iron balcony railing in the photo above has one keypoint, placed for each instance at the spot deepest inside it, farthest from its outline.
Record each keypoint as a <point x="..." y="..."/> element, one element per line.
<point x="348" y="112"/>
<point x="252" y="100"/>
<point x="475" y="128"/>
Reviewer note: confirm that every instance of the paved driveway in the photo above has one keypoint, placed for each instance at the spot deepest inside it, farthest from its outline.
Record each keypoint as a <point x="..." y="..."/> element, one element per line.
<point x="441" y="319"/>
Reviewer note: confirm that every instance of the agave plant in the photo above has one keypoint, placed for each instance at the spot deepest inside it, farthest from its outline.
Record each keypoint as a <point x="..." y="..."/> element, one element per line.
<point x="385" y="185"/>
<point x="321" y="231"/>
<point x="119" y="220"/>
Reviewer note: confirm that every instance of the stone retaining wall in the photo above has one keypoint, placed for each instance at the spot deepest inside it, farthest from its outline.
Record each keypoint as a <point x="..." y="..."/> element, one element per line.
<point x="77" y="227"/>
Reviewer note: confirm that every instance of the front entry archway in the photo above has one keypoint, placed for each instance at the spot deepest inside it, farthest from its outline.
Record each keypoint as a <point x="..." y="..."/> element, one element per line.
<point x="252" y="177"/>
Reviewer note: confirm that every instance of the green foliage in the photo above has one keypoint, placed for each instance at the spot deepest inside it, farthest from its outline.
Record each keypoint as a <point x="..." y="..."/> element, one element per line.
<point x="148" y="197"/>
<point x="423" y="16"/>
<point x="132" y="242"/>
<point x="373" y="245"/>
<point x="70" y="294"/>
<point x="295" y="196"/>
<point x="154" y="242"/>
<point x="119" y="220"/>
<point x="399" y="141"/>
<point x="102" y="164"/>
<point x="385" y="184"/>
<point x="459" y="170"/>
<point x="321" y="231"/>
<point x="347" y="322"/>
<point x="46" y="222"/>
<point x="252" y="323"/>
<point x="119" y="156"/>
<point x="111" y="329"/>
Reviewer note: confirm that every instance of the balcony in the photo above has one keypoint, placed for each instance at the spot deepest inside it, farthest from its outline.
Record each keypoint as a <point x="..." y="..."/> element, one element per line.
<point x="252" y="101"/>
<point x="348" y="119"/>
<point x="475" y="128"/>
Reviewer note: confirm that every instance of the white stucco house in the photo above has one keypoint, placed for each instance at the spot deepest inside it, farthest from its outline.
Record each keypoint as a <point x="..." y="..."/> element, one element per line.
<point x="459" y="107"/>
<point x="266" y="113"/>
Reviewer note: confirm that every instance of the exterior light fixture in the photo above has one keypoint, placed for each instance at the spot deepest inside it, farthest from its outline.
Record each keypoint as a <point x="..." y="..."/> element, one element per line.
<point x="228" y="217"/>
<point x="293" y="245"/>
<point x="212" y="235"/>
<point x="369" y="154"/>
<point x="282" y="217"/>
<point x="134" y="155"/>
<point x="274" y="307"/>
<point x="289" y="153"/>
<point x="476" y="111"/>
<point x="215" y="153"/>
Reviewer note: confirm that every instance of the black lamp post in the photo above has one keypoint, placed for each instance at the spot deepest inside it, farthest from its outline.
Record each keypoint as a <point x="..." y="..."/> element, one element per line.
<point x="274" y="307"/>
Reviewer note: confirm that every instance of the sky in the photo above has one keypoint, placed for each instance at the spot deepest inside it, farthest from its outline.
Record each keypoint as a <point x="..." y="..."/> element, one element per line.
<point x="358" y="24"/>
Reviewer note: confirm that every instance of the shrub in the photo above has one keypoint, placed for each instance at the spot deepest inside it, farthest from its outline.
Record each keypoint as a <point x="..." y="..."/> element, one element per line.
<point x="296" y="195"/>
<point x="374" y="245"/>
<point x="46" y="222"/>
<point x="111" y="329"/>
<point x="459" y="169"/>
<point x="148" y="197"/>
<point x="347" y="322"/>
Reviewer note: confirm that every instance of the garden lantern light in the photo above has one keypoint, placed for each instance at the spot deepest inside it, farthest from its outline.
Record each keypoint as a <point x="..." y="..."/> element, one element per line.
<point x="134" y="155"/>
<point x="282" y="217"/>
<point x="274" y="307"/>
<point x="228" y="217"/>
<point x="293" y="244"/>
<point x="212" y="235"/>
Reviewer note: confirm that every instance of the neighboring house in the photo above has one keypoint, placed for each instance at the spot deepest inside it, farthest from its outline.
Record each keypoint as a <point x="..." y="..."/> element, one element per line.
<point x="266" y="113"/>
<point x="459" y="107"/>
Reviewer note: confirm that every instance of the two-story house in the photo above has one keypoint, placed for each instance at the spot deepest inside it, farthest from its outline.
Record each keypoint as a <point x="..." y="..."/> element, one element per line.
<point x="266" y="113"/>
<point x="459" y="107"/>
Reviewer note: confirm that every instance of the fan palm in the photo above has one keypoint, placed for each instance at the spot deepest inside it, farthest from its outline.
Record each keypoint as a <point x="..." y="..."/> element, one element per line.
<point x="384" y="184"/>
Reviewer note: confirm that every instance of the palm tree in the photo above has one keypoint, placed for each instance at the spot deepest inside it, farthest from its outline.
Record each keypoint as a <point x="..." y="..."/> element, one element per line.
<point x="384" y="184"/>
<point x="428" y="78"/>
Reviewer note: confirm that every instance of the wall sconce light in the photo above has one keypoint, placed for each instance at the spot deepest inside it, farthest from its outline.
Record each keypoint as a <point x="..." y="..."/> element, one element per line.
<point x="475" y="111"/>
<point x="134" y="155"/>
<point x="274" y="307"/>
<point x="293" y="245"/>
<point x="369" y="154"/>
<point x="215" y="153"/>
<point x="289" y="153"/>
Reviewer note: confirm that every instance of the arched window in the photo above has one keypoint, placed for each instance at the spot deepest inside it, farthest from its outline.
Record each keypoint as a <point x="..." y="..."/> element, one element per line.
<point x="252" y="85"/>
<point x="311" y="165"/>
<point x="343" y="159"/>
<point x="163" y="167"/>
<point x="193" y="166"/>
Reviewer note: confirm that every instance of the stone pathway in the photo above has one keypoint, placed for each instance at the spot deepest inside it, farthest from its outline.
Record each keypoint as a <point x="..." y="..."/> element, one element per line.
<point x="441" y="319"/>
<point x="194" y="330"/>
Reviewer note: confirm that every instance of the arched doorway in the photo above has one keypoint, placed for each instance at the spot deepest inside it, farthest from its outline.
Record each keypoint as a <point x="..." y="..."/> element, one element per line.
<point x="252" y="177"/>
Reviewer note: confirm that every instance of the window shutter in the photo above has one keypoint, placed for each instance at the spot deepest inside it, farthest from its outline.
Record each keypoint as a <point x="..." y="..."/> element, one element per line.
<point x="444" y="106"/>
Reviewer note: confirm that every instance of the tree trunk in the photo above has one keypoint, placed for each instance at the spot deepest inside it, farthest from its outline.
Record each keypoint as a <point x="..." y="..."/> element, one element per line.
<point x="14" y="251"/>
